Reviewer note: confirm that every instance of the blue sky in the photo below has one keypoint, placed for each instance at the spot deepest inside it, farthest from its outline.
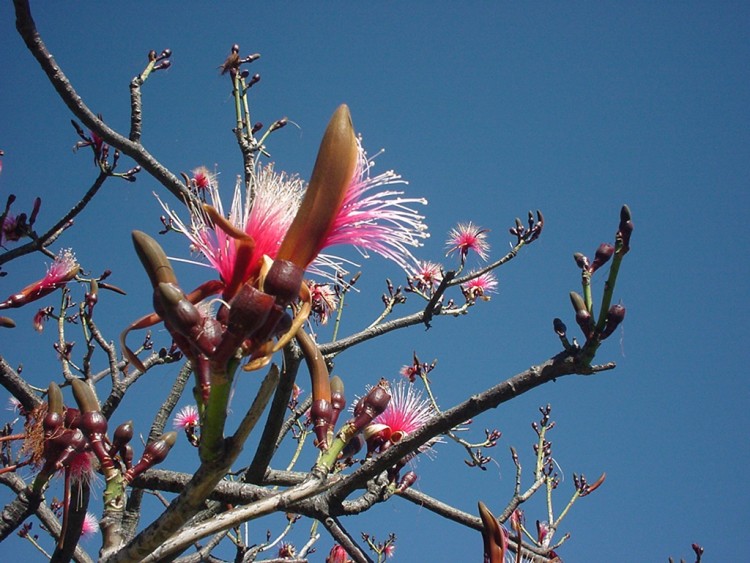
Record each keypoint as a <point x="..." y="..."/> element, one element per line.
<point x="488" y="109"/>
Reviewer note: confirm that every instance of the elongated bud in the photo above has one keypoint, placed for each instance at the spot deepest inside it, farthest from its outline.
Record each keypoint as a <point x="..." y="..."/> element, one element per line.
<point x="625" y="229"/>
<point x="615" y="316"/>
<point x="371" y="405"/>
<point x="331" y="176"/>
<point x="338" y="400"/>
<point x="581" y="261"/>
<point x="123" y="435"/>
<point x="153" y="258"/>
<point x="154" y="453"/>
<point x="54" y="417"/>
<point x="577" y="301"/>
<point x="406" y="481"/>
<point x="602" y="256"/>
<point x="495" y="542"/>
<point x="7" y="322"/>
<point x="84" y="396"/>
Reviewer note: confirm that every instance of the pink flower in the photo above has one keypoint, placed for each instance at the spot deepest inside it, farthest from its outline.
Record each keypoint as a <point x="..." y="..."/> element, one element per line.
<point x="203" y="179"/>
<point x="277" y="197"/>
<point x="389" y="550"/>
<point x="90" y="525"/>
<point x="406" y="412"/>
<point x="479" y="287"/>
<point x="61" y="271"/>
<point x="9" y="229"/>
<point x="379" y="222"/>
<point x="324" y="301"/>
<point x="338" y="555"/>
<point x="82" y="467"/>
<point x="466" y="237"/>
<point x="186" y="417"/>
<point x="410" y="372"/>
<point x="427" y="275"/>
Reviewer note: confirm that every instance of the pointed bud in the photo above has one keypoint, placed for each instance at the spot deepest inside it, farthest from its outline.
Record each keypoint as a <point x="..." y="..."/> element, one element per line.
<point x="155" y="453"/>
<point x="577" y="301"/>
<point x="331" y="176"/>
<point x="371" y="405"/>
<point x="338" y="400"/>
<point x="123" y="435"/>
<point x="407" y="481"/>
<point x="602" y="256"/>
<point x="154" y="259"/>
<point x="495" y="542"/>
<point x="581" y="261"/>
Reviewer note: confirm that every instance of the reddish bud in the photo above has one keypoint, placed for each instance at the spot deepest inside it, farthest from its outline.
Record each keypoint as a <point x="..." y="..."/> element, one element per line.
<point x="321" y="414"/>
<point x="123" y="435"/>
<point x="603" y="254"/>
<point x="338" y="400"/>
<point x="371" y="405"/>
<point x="615" y="316"/>
<point x="155" y="453"/>
<point x="407" y="481"/>
<point x="284" y="280"/>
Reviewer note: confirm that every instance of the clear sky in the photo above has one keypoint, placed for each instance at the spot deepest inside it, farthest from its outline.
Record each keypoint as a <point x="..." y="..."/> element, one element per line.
<point x="488" y="109"/>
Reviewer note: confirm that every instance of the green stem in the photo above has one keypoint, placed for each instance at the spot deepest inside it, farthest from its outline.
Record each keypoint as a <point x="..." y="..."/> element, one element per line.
<point x="609" y="288"/>
<point x="339" y="313"/>
<point x="212" y="426"/>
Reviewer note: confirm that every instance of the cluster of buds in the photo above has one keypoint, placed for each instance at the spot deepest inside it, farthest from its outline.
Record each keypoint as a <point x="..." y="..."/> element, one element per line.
<point x="160" y="61"/>
<point x="246" y="322"/>
<point x="233" y="62"/>
<point x="528" y="234"/>
<point x="596" y="330"/>
<point x="69" y="433"/>
<point x="257" y="293"/>
<point x="384" y="549"/>
<point x="101" y="153"/>
<point x="417" y="369"/>
<point x="14" y="227"/>
<point x="584" y="487"/>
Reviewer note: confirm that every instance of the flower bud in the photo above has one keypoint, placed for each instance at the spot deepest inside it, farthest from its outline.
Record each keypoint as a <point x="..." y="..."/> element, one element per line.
<point x="495" y="542"/>
<point x="6" y="322"/>
<point x="581" y="261"/>
<point x="154" y="261"/>
<point x="332" y="173"/>
<point x="586" y="322"/>
<point x="615" y="316"/>
<point x="407" y="481"/>
<point x="123" y="435"/>
<point x="371" y="405"/>
<point x="577" y="301"/>
<point x="602" y="256"/>
<point x="283" y="281"/>
<point x="559" y="327"/>
<point x="338" y="400"/>
<point x="155" y="453"/>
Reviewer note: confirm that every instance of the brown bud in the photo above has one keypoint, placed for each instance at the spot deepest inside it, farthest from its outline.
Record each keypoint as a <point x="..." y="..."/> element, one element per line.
<point x="332" y="173"/>
<point x="321" y="414"/>
<point x="154" y="453"/>
<point x="602" y="256"/>
<point x="338" y="400"/>
<point x="407" y="481"/>
<point x="84" y="396"/>
<point x="578" y="302"/>
<point x="615" y="316"/>
<point x="581" y="261"/>
<point x="153" y="258"/>
<point x="123" y="435"/>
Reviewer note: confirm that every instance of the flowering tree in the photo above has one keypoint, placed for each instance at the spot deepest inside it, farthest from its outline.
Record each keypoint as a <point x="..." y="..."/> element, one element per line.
<point x="273" y="285"/>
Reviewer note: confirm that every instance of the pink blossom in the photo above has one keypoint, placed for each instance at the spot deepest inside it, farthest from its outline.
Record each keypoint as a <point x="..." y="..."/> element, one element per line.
<point x="276" y="199"/>
<point x="479" y="287"/>
<point x="324" y="301"/>
<point x="466" y="237"/>
<point x="338" y="555"/>
<point x="410" y="372"/>
<point x="90" y="525"/>
<point x="203" y="179"/>
<point x="381" y="222"/>
<point x="63" y="269"/>
<point x="82" y="467"/>
<point x="427" y="275"/>
<point x="389" y="550"/>
<point x="186" y="417"/>
<point x="9" y="229"/>
<point x="406" y="412"/>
